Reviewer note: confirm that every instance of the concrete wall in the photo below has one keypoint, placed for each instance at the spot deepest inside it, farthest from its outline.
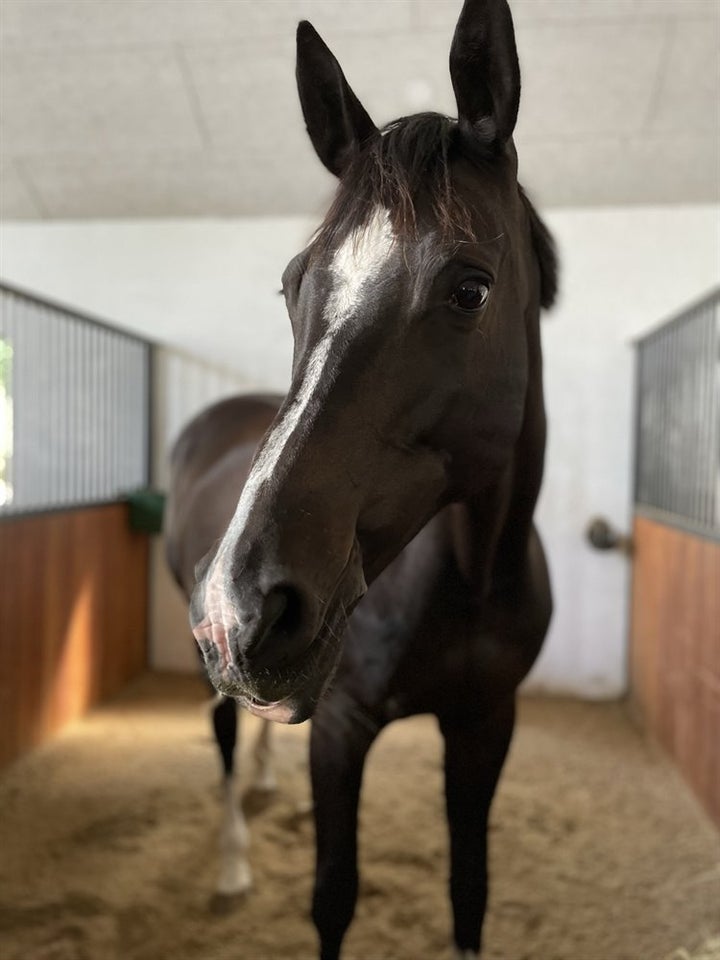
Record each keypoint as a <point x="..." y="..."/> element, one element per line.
<point x="210" y="288"/>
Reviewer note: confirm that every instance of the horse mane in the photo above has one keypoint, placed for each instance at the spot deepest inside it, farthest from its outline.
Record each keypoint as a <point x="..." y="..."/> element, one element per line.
<point x="410" y="158"/>
<point x="545" y="251"/>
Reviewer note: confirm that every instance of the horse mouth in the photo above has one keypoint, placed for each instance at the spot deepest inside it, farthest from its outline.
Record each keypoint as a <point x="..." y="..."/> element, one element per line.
<point x="292" y="694"/>
<point x="281" y="711"/>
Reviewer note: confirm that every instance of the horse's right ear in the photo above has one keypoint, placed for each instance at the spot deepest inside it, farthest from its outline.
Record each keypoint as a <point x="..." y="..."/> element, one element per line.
<point x="336" y="121"/>
<point x="484" y="69"/>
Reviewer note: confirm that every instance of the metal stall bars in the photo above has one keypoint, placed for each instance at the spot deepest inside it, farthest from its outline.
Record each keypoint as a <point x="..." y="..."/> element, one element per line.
<point x="677" y="467"/>
<point x="74" y="440"/>
<point x="75" y="399"/>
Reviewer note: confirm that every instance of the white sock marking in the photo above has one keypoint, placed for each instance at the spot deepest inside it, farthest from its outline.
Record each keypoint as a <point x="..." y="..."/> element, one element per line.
<point x="235" y="876"/>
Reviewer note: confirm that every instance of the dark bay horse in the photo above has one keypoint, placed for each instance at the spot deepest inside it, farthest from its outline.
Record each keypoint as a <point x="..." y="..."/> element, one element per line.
<point x="403" y="466"/>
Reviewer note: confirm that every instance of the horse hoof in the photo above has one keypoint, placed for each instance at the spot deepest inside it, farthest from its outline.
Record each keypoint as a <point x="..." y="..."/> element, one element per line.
<point x="224" y="903"/>
<point x="235" y="879"/>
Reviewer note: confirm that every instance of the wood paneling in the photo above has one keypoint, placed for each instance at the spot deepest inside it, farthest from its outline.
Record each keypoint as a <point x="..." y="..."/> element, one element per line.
<point x="675" y="649"/>
<point x="73" y="604"/>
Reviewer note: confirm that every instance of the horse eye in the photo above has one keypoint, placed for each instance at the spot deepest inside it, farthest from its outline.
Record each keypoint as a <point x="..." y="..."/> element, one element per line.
<point x="470" y="295"/>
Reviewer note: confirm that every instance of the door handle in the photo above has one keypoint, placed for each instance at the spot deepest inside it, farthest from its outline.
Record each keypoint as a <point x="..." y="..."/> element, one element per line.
<point x="601" y="535"/>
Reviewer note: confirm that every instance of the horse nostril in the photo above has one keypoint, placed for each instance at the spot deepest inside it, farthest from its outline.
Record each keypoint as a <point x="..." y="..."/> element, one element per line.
<point x="279" y="634"/>
<point x="287" y="608"/>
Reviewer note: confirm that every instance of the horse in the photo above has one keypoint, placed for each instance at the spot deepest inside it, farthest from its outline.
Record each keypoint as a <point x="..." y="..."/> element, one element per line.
<point x="376" y="555"/>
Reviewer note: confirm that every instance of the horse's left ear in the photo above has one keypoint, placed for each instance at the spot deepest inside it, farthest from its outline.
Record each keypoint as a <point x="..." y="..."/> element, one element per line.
<point x="336" y="121"/>
<point x="484" y="69"/>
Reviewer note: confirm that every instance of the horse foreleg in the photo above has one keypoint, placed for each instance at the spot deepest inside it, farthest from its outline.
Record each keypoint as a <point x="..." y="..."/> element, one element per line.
<point x="235" y="876"/>
<point x="339" y="742"/>
<point x="474" y="756"/>
<point x="264" y="776"/>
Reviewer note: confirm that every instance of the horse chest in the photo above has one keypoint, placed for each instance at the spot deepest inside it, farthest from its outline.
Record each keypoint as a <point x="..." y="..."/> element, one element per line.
<point x="429" y="648"/>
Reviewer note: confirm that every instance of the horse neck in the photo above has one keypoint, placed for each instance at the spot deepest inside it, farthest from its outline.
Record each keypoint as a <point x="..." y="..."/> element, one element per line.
<point x="491" y="530"/>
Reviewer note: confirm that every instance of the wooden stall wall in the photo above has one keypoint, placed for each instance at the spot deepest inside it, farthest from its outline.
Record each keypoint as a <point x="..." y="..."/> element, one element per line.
<point x="675" y="649"/>
<point x="73" y="618"/>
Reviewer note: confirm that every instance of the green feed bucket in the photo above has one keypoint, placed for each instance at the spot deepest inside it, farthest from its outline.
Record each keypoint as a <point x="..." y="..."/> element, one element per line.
<point x="145" y="510"/>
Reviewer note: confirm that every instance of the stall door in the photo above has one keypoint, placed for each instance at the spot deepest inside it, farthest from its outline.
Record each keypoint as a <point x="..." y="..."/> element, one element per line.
<point x="675" y="615"/>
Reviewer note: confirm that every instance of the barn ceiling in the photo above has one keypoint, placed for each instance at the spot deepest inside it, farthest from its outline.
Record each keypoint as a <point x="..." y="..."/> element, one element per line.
<point x="159" y="108"/>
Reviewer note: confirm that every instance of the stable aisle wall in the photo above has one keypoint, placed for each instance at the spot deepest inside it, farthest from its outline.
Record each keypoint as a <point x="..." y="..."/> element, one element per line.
<point x="210" y="288"/>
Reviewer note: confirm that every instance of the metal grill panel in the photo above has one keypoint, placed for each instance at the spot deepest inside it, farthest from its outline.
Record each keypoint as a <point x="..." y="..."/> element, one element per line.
<point x="678" y="418"/>
<point x="185" y="385"/>
<point x="74" y="408"/>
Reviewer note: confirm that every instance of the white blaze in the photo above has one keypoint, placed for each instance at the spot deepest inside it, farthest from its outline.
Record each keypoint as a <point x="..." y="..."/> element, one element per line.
<point x="358" y="260"/>
<point x="355" y="263"/>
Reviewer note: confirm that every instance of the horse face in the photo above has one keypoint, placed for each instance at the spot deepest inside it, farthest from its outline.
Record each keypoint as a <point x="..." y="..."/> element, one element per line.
<point x="410" y="363"/>
<point x="409" y="374"/>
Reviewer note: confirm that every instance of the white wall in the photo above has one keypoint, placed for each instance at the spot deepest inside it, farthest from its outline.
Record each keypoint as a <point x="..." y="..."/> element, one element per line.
<point x="209" y="287"/>
<point x="623" y="272"/>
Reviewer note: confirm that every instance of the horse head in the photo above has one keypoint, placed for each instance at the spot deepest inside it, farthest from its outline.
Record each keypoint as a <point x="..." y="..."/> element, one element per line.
<point x="414" y="313"/>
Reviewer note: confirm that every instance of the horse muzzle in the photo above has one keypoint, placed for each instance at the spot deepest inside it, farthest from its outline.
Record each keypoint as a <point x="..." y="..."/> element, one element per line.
<point x="290" y="693"/>
<point x="274" y="650"/>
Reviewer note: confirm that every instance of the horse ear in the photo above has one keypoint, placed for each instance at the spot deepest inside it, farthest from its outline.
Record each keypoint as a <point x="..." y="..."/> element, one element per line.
<point x="336" y="121"/>
<point x="484" y="69"/>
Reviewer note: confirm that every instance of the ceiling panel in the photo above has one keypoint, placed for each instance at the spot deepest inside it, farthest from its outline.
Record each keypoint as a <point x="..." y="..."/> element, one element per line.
<point x="247" y="95"/>
<point x="620" y="172"/>
<point x="188" y="107"/>
<point x="49" y="24"/>
<point x="249" y="99"/>
<point x="67" y="102"/>
<point x="688" y="95"/>
<point x="160" y="186"/>
<point x="588" y="80"/>
<point x="394" y="75"/>
<point x="443" y="13"/>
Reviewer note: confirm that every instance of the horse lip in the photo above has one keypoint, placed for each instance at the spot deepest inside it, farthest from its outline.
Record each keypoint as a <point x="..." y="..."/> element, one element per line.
<point x="281" y="711"/>
<point x="295" y="707"/>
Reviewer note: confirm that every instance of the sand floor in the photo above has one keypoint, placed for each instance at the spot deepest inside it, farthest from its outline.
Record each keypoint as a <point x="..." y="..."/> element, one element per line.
<point x="108" y="844"/>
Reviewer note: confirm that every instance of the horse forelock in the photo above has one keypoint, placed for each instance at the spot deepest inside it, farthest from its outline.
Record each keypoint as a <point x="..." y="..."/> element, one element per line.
<point x="407" y="166"/>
